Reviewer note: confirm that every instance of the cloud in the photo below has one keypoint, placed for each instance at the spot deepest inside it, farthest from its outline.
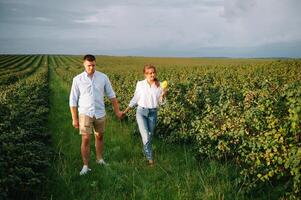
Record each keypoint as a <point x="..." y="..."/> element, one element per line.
<point x="233" y="9"/>
<point x="43" y="19"/>
<point x="87" y="20"/>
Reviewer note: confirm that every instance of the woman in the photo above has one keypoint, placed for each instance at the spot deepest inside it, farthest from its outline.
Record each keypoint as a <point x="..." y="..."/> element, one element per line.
<point x="148" y="96"/>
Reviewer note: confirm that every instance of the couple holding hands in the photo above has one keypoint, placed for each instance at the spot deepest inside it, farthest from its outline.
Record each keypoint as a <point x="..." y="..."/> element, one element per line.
<point x="88" y="109"/>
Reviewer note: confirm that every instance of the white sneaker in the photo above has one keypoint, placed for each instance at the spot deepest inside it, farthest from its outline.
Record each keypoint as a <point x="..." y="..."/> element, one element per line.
<point x="84" y="170"/>
<point x="101" y="162"/>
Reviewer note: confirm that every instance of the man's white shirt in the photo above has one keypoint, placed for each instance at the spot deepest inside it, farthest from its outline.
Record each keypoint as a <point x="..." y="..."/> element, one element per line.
<point x="87" y="93"/>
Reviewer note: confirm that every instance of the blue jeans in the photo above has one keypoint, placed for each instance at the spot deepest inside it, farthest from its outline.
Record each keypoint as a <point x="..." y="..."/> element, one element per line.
<point x="146" y="119"/>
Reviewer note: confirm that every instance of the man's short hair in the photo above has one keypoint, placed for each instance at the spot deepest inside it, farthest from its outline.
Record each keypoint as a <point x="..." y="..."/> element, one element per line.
<point x="89" y="57"/>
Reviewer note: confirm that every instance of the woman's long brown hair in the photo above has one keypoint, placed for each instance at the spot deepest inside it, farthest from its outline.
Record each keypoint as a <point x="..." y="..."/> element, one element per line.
<point x="149" y="66"/>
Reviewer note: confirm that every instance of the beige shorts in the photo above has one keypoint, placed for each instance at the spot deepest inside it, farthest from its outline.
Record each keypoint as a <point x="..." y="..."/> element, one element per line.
<point x="86" y="124"/>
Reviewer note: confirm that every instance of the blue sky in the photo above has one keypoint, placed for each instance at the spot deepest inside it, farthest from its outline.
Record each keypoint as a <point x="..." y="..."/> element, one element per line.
<point x="229" y="28"/>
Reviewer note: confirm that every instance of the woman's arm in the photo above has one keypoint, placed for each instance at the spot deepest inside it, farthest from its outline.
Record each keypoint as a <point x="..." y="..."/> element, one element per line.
<point x="164" y="91"/>
<point x="135" y="98"/>
<point x="126" y="110"/>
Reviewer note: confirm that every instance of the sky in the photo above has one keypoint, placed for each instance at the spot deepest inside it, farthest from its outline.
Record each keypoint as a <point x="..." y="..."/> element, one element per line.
<point x="177" y="28"/>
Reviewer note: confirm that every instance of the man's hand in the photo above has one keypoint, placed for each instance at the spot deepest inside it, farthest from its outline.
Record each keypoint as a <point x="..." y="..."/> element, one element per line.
<point x="119" y="114"/>
<point x="75" y="123"/>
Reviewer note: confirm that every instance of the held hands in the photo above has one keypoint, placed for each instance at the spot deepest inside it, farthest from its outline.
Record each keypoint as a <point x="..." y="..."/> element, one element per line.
<point x="126" y="110"/>
<point x="120" y="114"/>
<point x="123" y="113"/>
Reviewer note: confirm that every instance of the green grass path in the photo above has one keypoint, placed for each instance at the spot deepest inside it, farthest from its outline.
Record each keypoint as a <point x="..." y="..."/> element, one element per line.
<point x="176" y="174"/>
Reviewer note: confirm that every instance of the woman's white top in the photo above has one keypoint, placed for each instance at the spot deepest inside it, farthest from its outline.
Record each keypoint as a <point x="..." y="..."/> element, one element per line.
<point x="146" y="95"/>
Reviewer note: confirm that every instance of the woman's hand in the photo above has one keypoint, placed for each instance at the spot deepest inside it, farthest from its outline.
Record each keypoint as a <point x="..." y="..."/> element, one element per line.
<point x="126" y="110"/>
<point x="164" y="85"/>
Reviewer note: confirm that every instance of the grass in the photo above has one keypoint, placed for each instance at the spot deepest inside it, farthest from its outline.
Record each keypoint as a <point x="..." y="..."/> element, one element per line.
<point x="177" y="174"/>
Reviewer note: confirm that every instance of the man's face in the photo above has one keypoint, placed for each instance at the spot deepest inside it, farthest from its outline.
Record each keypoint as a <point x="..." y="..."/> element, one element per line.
<point x="89" y="66"/>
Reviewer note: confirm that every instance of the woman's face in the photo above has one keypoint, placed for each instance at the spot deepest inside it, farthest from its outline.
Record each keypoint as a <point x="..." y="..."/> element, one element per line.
<point x="150" y="74"/>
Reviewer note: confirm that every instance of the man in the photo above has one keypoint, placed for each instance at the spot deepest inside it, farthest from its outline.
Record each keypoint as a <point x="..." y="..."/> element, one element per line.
<point x="88" y="109"/>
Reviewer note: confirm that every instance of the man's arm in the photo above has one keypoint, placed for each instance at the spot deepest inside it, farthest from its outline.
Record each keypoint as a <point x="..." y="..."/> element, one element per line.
<point x="115" y="105"/>
<point x="73" y="99"/>
<point x="75" y="122"/>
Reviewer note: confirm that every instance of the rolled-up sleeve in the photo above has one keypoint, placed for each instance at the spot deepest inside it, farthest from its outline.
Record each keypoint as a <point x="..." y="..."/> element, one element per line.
<point x="135" y="98"/>
<point x="109" y="90"/>
<point x="74" y="94"/>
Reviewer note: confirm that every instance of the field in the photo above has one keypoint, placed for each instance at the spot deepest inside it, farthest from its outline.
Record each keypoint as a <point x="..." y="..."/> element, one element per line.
<point x="231" y="129"/>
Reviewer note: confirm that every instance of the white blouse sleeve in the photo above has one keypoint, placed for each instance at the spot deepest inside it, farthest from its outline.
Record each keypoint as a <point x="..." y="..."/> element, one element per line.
<point x="134" y="100"/>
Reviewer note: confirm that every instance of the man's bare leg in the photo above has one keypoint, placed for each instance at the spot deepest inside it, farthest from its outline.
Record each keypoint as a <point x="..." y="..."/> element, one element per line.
<point x="99" y="143"/>
<point x="85" y="148"/>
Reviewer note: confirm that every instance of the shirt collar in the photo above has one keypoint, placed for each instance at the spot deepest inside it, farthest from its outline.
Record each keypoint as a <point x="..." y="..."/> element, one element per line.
<point x="86" y="74"/>
<point x="152" y="85"/>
